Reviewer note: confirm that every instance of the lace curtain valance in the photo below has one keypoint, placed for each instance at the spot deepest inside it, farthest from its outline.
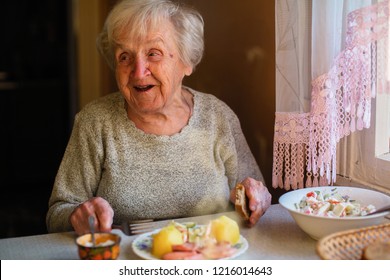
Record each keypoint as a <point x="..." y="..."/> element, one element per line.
<point x="332" y="58"/>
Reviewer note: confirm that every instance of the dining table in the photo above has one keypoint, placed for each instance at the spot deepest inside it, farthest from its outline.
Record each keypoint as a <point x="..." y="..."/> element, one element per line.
<point x="275" y="237"/>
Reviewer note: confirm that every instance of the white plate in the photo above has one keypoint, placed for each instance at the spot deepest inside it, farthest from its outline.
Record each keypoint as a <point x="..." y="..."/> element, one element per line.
<point x="142" y="246"/>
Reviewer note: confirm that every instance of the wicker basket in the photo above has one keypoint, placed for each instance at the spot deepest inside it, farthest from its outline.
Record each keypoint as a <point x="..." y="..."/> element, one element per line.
<point x="349" y="245"/>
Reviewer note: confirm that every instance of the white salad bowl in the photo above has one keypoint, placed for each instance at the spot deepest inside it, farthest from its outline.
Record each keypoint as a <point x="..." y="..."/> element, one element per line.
<point x="319" y="226"/>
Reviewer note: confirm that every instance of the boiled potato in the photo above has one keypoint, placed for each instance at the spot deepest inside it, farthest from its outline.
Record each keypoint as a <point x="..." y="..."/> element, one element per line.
<point x="225" y="229"/>
<point x="164" y="239"/>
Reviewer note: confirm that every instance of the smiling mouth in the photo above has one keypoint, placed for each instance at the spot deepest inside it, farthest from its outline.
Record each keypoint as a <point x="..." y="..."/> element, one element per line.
<point x="143" y="88"/>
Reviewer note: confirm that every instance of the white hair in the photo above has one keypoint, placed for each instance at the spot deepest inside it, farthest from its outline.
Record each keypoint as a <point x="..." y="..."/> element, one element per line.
<point x="136" y="17"/>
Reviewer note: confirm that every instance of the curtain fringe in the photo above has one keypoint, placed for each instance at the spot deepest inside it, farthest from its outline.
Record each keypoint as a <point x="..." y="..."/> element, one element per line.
<point x="305" y="143"/>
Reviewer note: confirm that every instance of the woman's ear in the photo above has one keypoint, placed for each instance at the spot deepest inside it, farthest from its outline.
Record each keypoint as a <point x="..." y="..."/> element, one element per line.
<point x="188" y="70"/>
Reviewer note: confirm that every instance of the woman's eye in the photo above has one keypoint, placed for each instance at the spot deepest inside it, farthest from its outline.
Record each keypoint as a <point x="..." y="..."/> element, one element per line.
<point x="124" y="59"/>
<point x="154" y="55"/>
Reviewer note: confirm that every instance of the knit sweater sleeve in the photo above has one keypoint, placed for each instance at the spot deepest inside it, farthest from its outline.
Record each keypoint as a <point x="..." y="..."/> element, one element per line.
<point x="246" y="165"/>
<point x="78" y="175"/>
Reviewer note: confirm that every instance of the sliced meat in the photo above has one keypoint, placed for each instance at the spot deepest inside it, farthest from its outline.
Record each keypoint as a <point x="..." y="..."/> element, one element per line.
<point x="218" y="251"/>
<point x="185" y="247"/>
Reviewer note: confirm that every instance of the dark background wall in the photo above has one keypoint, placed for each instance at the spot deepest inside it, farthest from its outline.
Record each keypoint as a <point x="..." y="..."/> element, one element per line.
<point x="39" y="71"/>
<point x="34" y="109"/>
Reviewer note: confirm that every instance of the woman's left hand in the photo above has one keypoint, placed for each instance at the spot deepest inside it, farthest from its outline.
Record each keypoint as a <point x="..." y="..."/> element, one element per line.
<point x="259" y="199"/>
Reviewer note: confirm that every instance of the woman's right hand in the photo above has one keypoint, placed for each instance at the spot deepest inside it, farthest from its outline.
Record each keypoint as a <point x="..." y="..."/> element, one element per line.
<point x="97" y="207"/>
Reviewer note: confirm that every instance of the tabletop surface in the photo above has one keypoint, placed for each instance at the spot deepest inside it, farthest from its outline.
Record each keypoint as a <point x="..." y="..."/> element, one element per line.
<point x="275" y="237"/>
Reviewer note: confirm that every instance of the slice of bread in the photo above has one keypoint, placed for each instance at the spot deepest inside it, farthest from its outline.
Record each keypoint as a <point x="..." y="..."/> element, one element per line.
<point x="241" y="203"/>
<point x="379" y="250"/>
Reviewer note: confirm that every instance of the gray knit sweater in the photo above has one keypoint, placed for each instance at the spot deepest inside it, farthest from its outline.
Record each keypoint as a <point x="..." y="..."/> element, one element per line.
<point x="147" y="176"/>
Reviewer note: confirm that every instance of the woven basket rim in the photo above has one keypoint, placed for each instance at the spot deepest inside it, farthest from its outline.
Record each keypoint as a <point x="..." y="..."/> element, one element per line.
<point x="349" y="244"/>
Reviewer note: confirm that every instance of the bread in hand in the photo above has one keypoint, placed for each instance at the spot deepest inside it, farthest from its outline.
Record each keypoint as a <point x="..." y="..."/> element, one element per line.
<point x="378" y="250"/>
<point x="242" y="203"/>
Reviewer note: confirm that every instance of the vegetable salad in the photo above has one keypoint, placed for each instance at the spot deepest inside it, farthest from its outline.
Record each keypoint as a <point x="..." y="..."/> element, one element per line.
<point x="332" y="205"/>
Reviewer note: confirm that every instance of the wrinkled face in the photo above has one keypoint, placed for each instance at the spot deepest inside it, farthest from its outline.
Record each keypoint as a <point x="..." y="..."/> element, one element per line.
<point x="149" y="71"/>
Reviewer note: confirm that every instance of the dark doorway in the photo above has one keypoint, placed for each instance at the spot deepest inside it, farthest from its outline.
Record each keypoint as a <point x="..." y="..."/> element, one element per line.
<point x="34" y="109"/>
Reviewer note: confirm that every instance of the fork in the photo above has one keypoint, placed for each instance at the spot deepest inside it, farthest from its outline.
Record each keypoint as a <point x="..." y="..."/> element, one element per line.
<point x="380" y="210"/>
<point x="136" y="227"/>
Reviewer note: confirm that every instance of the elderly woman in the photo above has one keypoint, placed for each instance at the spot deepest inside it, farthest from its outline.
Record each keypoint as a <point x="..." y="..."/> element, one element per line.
<point x="155" y="149"/>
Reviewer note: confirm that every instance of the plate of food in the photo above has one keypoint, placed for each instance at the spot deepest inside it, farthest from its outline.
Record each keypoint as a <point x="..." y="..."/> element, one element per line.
<point x="219" y="239"/>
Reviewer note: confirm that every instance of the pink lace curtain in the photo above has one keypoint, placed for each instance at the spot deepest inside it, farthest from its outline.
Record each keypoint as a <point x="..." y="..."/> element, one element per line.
<point x="332" y="58"/>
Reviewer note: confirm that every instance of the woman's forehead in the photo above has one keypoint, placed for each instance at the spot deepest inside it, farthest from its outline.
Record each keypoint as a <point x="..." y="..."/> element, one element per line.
<point x="150" y="32"/>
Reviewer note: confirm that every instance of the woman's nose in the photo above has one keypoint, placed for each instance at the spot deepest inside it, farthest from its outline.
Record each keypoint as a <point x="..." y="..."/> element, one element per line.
<point x="140" y="68"/>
